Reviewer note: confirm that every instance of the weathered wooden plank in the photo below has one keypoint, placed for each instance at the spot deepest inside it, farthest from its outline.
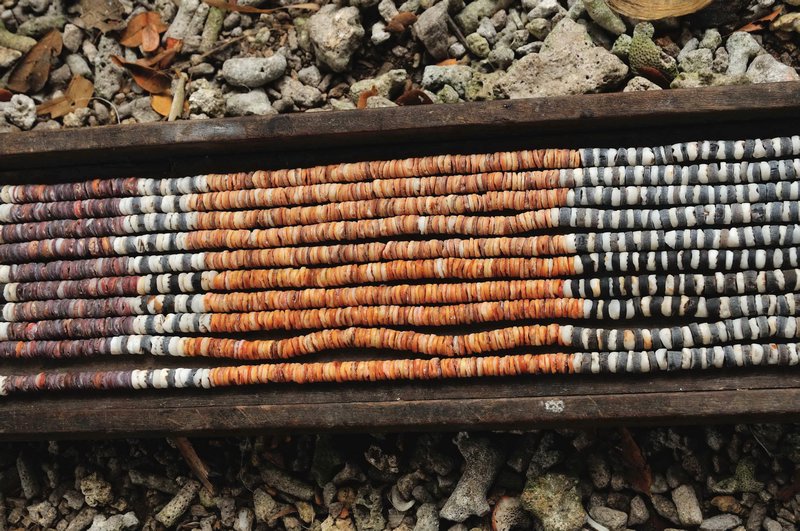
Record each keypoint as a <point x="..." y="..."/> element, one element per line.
<point x="534" y="402"/>
<point x="265" y="136"/>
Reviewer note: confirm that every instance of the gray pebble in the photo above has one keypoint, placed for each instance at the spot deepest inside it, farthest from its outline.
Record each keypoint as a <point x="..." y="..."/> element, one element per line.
<point x="254" y="102"/>
<point x="72" y="37"/>
<point x="687" y="505"/>
<point x="335" y="35"/>
<point x="614" y="520"/>
<point x="253" y="71"/>
<point x="722" y="522"/>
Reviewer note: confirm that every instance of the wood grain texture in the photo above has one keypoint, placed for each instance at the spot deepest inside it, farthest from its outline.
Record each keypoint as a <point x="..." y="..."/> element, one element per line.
<point x="183" y="148"/>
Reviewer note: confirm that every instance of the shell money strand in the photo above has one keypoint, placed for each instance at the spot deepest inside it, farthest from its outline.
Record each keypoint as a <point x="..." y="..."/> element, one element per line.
<point x="544" y="245"/>
<point x="697" y="334"/>
<point x="731" y="356"/>
<point x="404" y="295"/>
<point x="563" y="217"/>
<point x="419" y="166"/>
<point x="389" y="315"/>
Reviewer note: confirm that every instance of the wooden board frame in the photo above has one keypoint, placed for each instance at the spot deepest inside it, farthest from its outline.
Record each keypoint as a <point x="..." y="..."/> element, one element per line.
<point x="237" y="144"/>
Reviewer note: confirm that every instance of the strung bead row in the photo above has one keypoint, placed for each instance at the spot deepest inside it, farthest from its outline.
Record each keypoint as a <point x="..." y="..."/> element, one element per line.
<point x="544" y="245"/>
<point x="387" y="315"/>
<point x="697" y="285"/>
<point x="433" y="211"/>
<point x="406" y="294"/>
<point x="730" y="356"/>
<point x="496" y="340"/>
<point x="683" y="260"/>
<point x="418" y="166"/>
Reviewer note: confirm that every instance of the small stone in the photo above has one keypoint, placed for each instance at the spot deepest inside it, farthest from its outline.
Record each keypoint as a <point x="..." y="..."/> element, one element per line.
<point x="756" y="517"/>
<point x="96" y="490"/>
<point x="622" y="46"/>
<point x="387" y="9"/>
<point x="772" y="525"/>
<point x="83" y="519"/>
<point x="43" y="513"/>
<point x="501" y="57"/>
<point x="448" y="94"/>
<point x="690" y="46"/>
<point x="487" y="30"/>
<point x="554" y="500"/>
<point x="547" y="9"/>
<point x="20" y="111"/>
<point x="250" y="103"/>
<point x="206" y="98"/>
<point x="665" y="508"/>
<point x="638" y="513"/>
<point x="378" y="33"/>
<point x="599" y="471"/>
<point x="178" y="505"/>
<point x="604" y="16"/>
<point x="457" y="76"/>
<point x="700" y="60"/>
<point x="39" y="26"/>
<point x="478" y="45"/>
<point x="77" y="118"/>
<point x="687" y="505"/>
<point x="117" y="522"/>
<point x="721" y="61"/>
<point x="72" y="37"/>
<point x="244" y="520"/>
<point x="539" y="28"/>
<point x="387" y="85"/>
<point x="335" y="34"/>
<point x="377" y="102"/>
<point x="8" y="56"/>
<point x="766" y="69"/>
<point x="722" y="522"/>
<point x="301" y="95"/>
<point x="457" y="50"/>
<point x="431" y="28"/>
<point x="265" y="507"/>
<point x="253" y="72"/>
<point x="284" y="482"/>
<point x="638" y="84"/>
<point x="711" y="39"/>
<point x="78" y="65"/>
<point x="741" y="47"/>
<point x="427" y="518"/>
<point x="475" y="11"/>
<point x="367" y="509"/>
<point x="614" y="520"/>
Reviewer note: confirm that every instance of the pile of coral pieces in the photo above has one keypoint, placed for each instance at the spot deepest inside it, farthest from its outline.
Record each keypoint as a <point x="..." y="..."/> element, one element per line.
<point x="125" y="61"/>
<point x="734" y="478"/>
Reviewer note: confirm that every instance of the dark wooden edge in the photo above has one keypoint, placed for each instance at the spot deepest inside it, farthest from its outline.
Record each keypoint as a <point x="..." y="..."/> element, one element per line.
<point x="520" y="403"/>
<point x="273" y="137"/>
<point x="304" y="139"/>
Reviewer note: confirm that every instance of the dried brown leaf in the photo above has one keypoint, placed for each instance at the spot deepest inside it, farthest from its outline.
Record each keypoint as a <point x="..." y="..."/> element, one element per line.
<point x="5" y="95"/>
<point x="364" y="96"/>
<point x="657" y="9"/>
<point x="401" y="21"/>
<point x="31" y="72"/>
<point x="143" y="30"/>
<point x="105" y="15"/>
<point x="161" y="103"/>
<point x="163" y="58"/>
<point x="150" y="79"/>
<point x="228" y="6"/>
<point x="761" y="23"/>
<point x="77" y="96"/>
<point x="447" y="62"/>
<point x="413" y="96"/>
<point x="637" y="471"/>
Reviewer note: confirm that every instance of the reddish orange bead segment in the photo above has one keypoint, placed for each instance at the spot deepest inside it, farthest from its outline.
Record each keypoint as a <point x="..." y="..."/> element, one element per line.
<point x="399" y="168"/>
